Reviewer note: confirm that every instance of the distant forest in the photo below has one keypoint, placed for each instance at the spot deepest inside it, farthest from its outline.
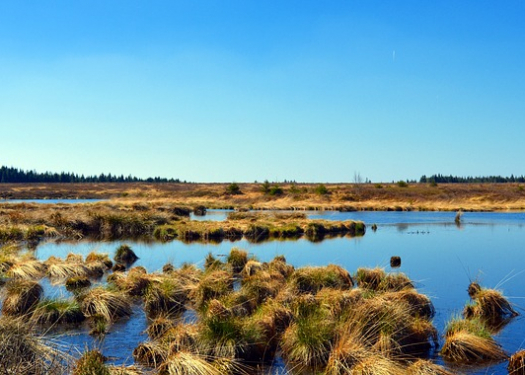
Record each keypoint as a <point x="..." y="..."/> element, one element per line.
<point x="438" y="178"/>
<point x="15" y="175"/>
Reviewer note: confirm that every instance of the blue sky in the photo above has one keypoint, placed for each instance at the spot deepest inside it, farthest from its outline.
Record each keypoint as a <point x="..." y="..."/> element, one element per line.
<point x="253" y="90"/>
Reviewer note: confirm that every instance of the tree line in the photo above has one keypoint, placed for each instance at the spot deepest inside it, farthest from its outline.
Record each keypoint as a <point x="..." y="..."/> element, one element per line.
<point x="15" y="175"/>
<point x="439" y="178"/>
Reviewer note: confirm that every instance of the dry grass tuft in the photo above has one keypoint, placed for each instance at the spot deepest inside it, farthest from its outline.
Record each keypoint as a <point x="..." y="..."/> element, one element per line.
<point x="27" y="269"/>
<point x="426" y="367"/>
<point x="91" y="362"/>
<point x="159" y="326"/>
<point x="125" y="255"/>
<point x="59" y="311"/>
<point x="165" y="296"/>
<point x="313" y="279"/>
<point x="150" y="354"/>
<point x="376" y="279"/>
<point x="346" y="353"/>
<point x="517" y="363"/>
<point x="490" y="306"/>
<point x="378" y="365"/>
<point x="107" y="303"/>
<point x="99" y="257"/>
<point x="21" y="297"/>
<point x="23" y="352"/>
<point x="468" y="348"/>
<point x="237" y="259"/>
<point x="185" y="363"/>
<point x="212" y="285"/>
<point x="61" y="271"/>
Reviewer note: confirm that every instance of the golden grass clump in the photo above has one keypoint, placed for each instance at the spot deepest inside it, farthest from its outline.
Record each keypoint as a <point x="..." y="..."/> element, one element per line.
<point x="473" y="289"/>
<point x="159" y="326"/>
<point x="309" y="338"/>
<point x="369" y="278"/>
<point x="24" y="352"/>
<point x="426" y="367"/>
<point x="278" y="264"/>
<point x="58" y="311"/>
<point x="150" y="354"/>
<point x="214" y="284"/>
<point x="260" y="287"/>
<point x="21" y="297"/>
<point x="489" y="305"/>
<point x="74" y="258"/>
<point x="237" y="259"/>
<point x="136" y="283"/>
<point x="221" y="334"/>
<point x="64" y="270"/>
<point x="376" y="279"/>
<point x="126" y="370"/>
<point x="90" y="363"/>
<point x="188" y="275"/>
<point x="27" y="269"/>
<point x="378" y="365"/>
<point x="517" y="363"/>
<point x="387" y="325"/>
<point x="182" y="337"/>
<point x="313" y="279"/>
<point x="251" y="268"/>
<point x="186" y="363"/>
<point x="125" y="255"/>
<point x="96" y="269"/>
<point x="168" y="268"/>
<point x="346" y="353"/>
<point x="469" y="342"/>
<point x="105" y="302"/>
<point x="99" y="257"/>
<point x="420" y="304"/>
<point x="466" y="348"/>
<point x="165" y="296"/>
<point x="211" y="263"/>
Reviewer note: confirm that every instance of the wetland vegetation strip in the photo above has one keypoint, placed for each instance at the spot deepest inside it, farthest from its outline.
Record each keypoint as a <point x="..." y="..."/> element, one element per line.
<point x="292" y="196"/>
<point x="157" y="221"/>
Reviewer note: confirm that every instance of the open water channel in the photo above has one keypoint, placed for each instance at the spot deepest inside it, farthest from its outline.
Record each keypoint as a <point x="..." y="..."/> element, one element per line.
<point x="440" y="256"/>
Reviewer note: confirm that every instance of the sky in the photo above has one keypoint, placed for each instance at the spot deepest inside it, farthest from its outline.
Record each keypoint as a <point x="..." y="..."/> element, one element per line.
<point x="220" y="91"/>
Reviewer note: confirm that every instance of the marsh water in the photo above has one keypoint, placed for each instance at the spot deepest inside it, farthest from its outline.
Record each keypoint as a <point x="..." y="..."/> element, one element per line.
<point x="440" y="256"/>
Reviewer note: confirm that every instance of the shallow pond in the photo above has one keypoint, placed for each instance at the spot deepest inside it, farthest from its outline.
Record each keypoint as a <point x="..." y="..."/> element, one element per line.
<point x="441" y="257"/>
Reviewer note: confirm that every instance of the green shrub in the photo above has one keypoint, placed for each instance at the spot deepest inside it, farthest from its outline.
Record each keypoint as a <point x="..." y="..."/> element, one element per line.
<point x="265" y="187"/>
<point x="321" y="189"/>
<point x="233" y="189"/>
<point x="275" y="190"/>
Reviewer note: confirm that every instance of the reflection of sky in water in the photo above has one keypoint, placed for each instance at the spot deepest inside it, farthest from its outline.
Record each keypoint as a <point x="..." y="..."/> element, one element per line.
<point x="442" y="259"/>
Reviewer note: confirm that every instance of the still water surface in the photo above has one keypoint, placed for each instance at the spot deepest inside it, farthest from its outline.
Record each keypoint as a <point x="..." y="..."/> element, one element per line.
<point x="439" y="256"/>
